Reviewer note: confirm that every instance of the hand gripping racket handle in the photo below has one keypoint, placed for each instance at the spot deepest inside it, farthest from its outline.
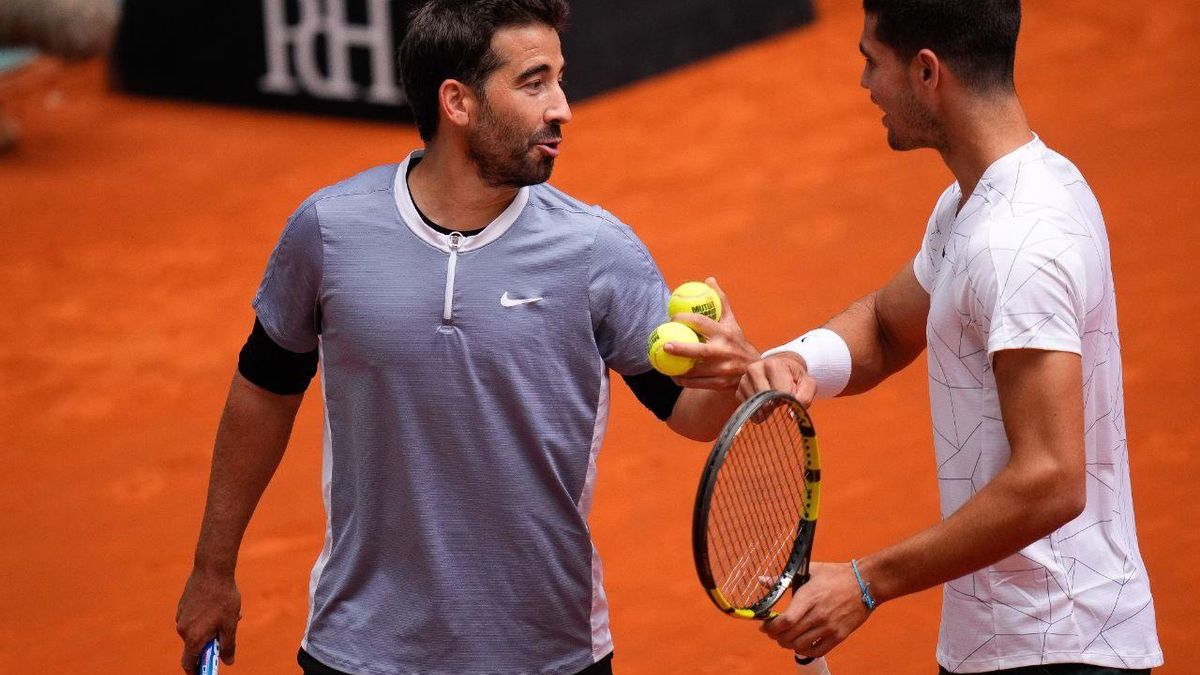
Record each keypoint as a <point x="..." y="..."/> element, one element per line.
<point x="807" y="665"/>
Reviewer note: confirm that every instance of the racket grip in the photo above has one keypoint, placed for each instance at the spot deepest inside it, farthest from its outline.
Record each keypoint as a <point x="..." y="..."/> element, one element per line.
<point x="812" y="667"/>
<point x="210" y="658"/>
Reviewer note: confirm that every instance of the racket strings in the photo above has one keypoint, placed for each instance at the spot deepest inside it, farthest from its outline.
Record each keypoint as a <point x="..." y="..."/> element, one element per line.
<point x="756" y="506"/>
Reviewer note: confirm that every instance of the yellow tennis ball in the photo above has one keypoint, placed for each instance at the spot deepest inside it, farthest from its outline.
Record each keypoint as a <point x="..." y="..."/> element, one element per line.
<point x="695" y="297"/>
<point x="670" y="364"/>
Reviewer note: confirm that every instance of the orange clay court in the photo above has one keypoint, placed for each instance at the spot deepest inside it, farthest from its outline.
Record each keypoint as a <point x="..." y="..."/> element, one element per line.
<point x="135" y="232"/>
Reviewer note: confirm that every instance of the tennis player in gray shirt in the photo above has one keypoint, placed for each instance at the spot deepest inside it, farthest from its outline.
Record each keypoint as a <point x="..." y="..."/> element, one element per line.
<point x="465" y="317"/>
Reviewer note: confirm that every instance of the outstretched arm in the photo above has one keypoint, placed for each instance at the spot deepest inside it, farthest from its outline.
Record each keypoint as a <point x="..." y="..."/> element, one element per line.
<point x="883" y="333"/>
<point x="251" y="439"/>
<point x="880" y="334"/>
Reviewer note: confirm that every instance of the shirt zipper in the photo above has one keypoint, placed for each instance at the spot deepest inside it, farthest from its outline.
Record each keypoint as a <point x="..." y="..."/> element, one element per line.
<point x="456" y="239"/>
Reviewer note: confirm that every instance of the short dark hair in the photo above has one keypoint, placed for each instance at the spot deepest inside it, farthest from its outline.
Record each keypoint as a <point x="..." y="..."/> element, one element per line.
<point x="452" y="40"/>
<point x="977" y="38"/>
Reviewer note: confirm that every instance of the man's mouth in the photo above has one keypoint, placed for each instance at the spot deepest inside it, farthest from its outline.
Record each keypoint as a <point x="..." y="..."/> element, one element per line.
<point x="550" y="146"/>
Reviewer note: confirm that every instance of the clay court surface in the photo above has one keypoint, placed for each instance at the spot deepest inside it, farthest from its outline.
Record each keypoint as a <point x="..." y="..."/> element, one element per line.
<point x="135" y="232"/>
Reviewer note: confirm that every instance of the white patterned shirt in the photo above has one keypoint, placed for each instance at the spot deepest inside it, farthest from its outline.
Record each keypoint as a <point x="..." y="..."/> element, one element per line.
<point x="1025" y="265"/>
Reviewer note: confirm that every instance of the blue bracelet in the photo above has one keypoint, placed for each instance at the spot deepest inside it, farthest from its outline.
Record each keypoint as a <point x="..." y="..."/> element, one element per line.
<point x="864" y="587"/>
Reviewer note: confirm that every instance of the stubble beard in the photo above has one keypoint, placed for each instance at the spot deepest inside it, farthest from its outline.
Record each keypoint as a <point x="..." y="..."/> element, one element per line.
<point x="505" y="156"/>
<point x="921" y="128"/>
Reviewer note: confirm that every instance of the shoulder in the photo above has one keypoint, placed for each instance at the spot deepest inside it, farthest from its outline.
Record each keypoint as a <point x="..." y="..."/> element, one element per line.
<point x="1006" y="253"/>
<point x="547" y="199"/>
<point x="372" y="181"/>
<point x="1046" y="185"/>
<point x="607" y="234"/>
<point x="1021" y="235"/>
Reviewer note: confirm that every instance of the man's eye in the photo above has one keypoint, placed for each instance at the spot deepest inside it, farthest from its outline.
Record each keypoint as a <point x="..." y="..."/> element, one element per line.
<point x="534" y="85"/>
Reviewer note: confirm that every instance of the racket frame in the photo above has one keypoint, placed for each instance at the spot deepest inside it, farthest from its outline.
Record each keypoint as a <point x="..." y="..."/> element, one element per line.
<point x="795" y="572"/>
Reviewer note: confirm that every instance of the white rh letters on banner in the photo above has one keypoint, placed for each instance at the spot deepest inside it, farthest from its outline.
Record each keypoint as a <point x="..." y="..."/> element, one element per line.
<point x="328" y="18"/>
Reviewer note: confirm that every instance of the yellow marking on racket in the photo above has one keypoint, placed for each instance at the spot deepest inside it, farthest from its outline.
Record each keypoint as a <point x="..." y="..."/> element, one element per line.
<point x="812" y="454"/>
<point x="812" y="502"/>
<point x="719" y="597"/>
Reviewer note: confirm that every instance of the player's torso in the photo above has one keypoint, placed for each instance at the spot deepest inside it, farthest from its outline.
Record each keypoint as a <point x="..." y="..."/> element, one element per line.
<point x="1054" y="599"/>
<point x="464" y="392"/>
<point x="464" y="357"/>
<point x="1040" y="196"/>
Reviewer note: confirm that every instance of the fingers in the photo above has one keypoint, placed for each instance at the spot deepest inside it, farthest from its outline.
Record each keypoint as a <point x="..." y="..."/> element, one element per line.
<point x="228" y="635"/>
<point x="194" y="641"/>
<point x="712" y="360"/>
<point x="822" y="646"/>
<point x="790" y="622"/>
<point x="806" y="391"/>
<point x="758" y="378"/>
<point x="804" y="638"/>
<point x="190" y="661"/>
<point x="822" y="614"/>
<point x="692" y="350"/>
<point x="727" y="310"/>
<point x="704" y="326"/>
<point x="754" y="381"/>
<point x="778" y="376"/>
<point x="779" y="372"/>
<point x="208" y="609"/>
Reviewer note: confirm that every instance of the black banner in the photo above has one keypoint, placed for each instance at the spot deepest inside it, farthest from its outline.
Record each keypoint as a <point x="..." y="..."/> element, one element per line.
<point x="338" y="56"/>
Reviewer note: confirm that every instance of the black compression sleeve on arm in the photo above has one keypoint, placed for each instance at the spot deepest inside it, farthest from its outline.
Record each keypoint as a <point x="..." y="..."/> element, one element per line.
<point x="274" y="368"/>
<point x="656" y="391"/>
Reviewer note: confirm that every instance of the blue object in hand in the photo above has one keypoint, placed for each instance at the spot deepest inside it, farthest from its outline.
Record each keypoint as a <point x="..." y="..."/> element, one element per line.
<point x="210" y="658"/>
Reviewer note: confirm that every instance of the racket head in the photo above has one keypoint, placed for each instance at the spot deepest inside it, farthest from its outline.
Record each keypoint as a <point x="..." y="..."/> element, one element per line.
<point x="757" y="505"/>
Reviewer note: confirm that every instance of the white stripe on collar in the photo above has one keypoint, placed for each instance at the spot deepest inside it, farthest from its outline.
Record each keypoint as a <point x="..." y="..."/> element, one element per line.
<point x="408" y="213"/>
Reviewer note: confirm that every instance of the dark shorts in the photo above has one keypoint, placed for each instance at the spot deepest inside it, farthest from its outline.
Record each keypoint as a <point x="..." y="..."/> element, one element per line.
<point x="1062" y="669"/>
<point x="312" y="666"/>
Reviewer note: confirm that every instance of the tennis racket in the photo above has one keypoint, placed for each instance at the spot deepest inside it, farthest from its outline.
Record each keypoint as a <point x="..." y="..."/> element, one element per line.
<point x="756" y="509"/>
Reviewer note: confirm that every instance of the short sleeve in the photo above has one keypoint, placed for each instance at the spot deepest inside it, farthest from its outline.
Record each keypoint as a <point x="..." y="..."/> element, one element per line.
<point x="627" y="297"/>
<point x="287" y="302"/>
<point x="1028" y="288"/>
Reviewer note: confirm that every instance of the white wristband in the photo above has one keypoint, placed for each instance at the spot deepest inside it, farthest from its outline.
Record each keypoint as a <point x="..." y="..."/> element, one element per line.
<point x="827" y="356"/>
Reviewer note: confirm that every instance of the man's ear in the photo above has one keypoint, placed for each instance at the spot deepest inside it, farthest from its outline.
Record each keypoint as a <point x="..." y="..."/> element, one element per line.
<point x="457" y="102"/>
<point x="926" y="70"/>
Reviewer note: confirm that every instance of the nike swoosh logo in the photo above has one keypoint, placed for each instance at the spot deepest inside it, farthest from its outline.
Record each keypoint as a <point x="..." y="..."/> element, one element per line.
<point x="506" y="301"/>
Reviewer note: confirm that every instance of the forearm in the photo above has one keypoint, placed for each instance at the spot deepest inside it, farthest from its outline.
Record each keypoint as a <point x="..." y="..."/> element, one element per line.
<point x="252" y="436"/>
<point x="883" y="332"/>
<point x="870" y="347"/>
<point x="1018" y="507"/>
<point x="699" y="414"/>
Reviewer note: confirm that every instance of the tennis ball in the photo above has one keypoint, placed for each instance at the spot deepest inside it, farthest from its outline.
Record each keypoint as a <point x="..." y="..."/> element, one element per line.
<point x="670" y="364"/>
<point x="695" y="297"/>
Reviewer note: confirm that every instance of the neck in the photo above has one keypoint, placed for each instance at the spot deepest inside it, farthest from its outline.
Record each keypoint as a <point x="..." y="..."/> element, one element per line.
<point x="447" y="187"/>
<point x="980" y="133"/>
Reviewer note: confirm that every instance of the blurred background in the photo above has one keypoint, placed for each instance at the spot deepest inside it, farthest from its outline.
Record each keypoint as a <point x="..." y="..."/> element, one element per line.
<point x="148" y="161"/>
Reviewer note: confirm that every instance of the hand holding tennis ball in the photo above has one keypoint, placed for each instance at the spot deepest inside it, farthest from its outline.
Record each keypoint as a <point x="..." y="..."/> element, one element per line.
<point x="720" y="353"/>
<point x="671" y="365"/>
<point x="694" y="297"/>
